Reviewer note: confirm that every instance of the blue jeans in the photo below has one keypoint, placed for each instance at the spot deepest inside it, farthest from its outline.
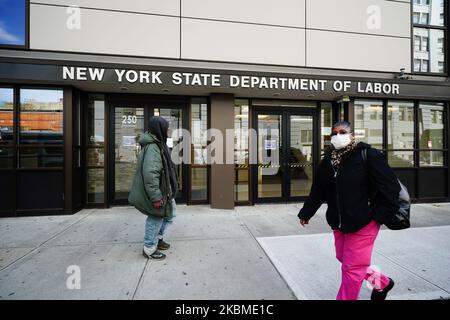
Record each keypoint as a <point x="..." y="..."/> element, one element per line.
<point x="155" y="228"/>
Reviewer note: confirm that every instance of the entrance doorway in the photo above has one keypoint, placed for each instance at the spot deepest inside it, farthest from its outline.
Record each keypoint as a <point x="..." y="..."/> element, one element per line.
<point x="128" y="118"/>
<point x="285" y="154"/>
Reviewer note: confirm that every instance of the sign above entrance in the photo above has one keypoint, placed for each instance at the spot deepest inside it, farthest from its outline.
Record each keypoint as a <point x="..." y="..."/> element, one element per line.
<point x="190" y="79"/>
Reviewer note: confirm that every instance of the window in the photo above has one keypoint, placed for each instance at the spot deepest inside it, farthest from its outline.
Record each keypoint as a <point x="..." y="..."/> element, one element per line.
<point x="369" y="122"/>
<point x="6" y="116"/>
<point x="424" y="18"/>
<point x="95" y="154"/>
<point x="41" y="116"/>
<point x="199" y="167"/>
<point x="409" y="143"/>
<point x="431" y="134"/>
<point x="429" y="36"/>
<point x="41" y="128"/>
<point x="400" y="129"/>
<point x="327" y="123"/>
<point x="241" y="150"/>
<point x="6" y="127"/>
<point x="12" y="22"/>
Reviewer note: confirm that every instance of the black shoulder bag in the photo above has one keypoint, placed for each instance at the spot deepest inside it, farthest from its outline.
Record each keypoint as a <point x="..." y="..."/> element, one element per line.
<point x="401" y="219"/>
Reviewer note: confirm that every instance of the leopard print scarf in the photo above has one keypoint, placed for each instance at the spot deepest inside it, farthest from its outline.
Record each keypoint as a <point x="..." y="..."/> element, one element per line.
<point x="337" y="155"/>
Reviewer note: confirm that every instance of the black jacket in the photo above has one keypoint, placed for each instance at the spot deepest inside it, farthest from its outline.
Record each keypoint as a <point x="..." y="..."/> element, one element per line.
<point x="347" y="191"/>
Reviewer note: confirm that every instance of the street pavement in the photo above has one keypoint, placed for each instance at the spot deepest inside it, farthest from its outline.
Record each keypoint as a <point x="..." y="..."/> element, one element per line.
<point x="252" y="252"/>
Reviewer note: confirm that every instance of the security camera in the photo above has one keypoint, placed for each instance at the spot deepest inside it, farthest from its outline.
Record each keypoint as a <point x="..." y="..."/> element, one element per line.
<point x="402" y="75"/>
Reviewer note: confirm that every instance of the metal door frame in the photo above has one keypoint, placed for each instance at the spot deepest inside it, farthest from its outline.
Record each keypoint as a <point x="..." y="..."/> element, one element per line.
<point x="286" y="114"/>
<point x="147" y="102"/>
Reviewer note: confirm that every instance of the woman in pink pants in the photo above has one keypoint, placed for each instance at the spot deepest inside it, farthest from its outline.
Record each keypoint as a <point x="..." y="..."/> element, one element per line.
<point x="360" y="195"/>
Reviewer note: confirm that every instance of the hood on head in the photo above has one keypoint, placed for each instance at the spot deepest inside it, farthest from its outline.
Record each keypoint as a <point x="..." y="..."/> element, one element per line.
<point x="158" y="126"/>
<point x="146" y="138"/>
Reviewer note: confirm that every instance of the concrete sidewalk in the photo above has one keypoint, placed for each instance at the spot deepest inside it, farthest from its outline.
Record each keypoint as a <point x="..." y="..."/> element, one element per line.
<point x="256" y="252"/>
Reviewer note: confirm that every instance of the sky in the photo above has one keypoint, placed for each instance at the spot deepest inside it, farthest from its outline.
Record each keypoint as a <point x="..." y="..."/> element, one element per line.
<point x="6" y="95"/>
<point x="12" y="22"/>
<point x="41" y="95"/>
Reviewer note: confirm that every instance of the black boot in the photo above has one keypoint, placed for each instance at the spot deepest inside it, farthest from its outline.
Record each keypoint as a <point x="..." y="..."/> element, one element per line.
<point x="381" y="295"/>
<point x="162" y="245"/>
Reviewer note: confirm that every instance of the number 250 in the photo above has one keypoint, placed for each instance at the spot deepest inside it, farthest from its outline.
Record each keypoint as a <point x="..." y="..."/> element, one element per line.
<point x="129" y="119"/>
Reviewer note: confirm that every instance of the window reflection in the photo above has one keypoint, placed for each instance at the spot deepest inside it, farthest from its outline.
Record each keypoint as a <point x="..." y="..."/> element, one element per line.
<point x="199" y="125"/>
<point x="41" y="116"/>
<point x="400" y="125"/>
<point x="429" y="50"/>
<point x="368" y="126"/>
<point x="95" y="185"/>
<point x="6" y="115"/>
<point x="199" y="183"/>
<point x="429" y="36"/>
<point x="241" y="150"/>
<point x="49" y="157"/>
<point x="199" y="169"/>
<point x="95" y="153"/>
<point x="428" y="12"/>
<point x="326" y="124"/>
<point x="96" y="120"/>
<point x="401" y="159"/>
<point x="431" y="126"/>
<point x="431" y="133"/>
<point x="129" y="123"/>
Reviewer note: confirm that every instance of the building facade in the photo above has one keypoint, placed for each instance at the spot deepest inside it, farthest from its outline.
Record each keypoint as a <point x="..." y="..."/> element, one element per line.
<point x="80" y="79"/>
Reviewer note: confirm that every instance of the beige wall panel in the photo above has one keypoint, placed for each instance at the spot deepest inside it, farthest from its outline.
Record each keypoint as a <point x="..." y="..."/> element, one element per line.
<point x="358" y="52"/>
<point x="169" y="7"/>
<point x="362" y="16"/>
<point x="104" y="32"/>
<point x="238" y="42"/>
<point x="280" y="12"/>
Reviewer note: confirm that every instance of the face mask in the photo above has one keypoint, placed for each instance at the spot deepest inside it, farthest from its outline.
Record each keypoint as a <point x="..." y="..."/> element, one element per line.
<point x="340" y="141"/>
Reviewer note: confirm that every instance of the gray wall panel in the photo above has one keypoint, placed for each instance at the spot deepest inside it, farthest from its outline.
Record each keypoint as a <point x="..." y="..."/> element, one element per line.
<point x="359" y="16"/>
<point x="169" y="7"/>
<point x="358" y="52"/>
<point x="263" y="31"/>
<point x="238" y="42"/>
<point x="105" y="32"/>
<point x="280" y="12"/>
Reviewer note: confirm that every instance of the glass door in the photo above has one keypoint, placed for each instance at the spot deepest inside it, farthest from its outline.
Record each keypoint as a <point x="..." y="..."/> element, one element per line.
<point x="300" y="158"/>
<point x="129" y="117"/>
<point x="128" y="123"/>
<point x="174" y="115"/>
<point x="285" y="155"/>
<point x="270" y="169"/>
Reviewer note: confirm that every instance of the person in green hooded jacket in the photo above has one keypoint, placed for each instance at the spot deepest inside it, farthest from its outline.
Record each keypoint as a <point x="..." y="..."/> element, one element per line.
<point x="155" y="187"/>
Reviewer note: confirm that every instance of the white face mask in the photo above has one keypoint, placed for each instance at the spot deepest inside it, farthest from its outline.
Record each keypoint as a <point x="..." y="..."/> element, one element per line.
<point x="340" y="141"/>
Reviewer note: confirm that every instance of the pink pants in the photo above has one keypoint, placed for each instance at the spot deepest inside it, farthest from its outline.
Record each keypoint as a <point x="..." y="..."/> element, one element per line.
<point x="354" y="251"/>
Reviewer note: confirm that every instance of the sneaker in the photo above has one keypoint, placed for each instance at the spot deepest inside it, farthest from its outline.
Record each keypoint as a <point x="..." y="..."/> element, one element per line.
<point x="162" y="245"/>
<point x="154" y="256"/>
<point x="381" y="295"/>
